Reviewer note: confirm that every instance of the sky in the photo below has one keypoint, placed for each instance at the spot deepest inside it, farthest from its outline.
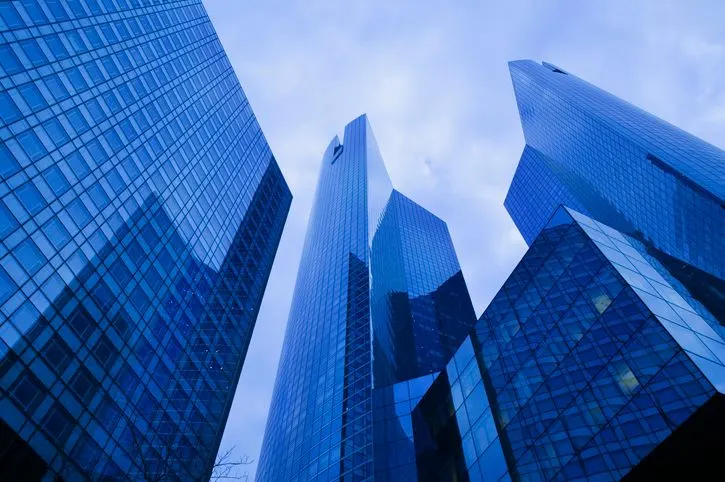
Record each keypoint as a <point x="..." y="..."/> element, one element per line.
<point x="433" y="78"/>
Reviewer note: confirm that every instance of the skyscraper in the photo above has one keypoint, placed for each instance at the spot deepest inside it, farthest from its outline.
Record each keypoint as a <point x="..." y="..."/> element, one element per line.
<point x="625" y="167"/>
<point x="597" y="363"/>
<point x="603" y="354"/>
<point x="379" y="306"/>
<point x="140" y="211"/>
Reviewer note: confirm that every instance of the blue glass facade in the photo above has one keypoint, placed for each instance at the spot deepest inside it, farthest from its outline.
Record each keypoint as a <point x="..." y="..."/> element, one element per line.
<point x="393" y="442"/>
<point x="380" y="304"/>
<point x="617" y="163"/>
<point x="454" y="428"/>
<point x="420" y="305"/>
<point x="320" y="423"/>
<point x="140" y="211"/>
<point x="593" y="356"/>
<point x="602" y="356"/>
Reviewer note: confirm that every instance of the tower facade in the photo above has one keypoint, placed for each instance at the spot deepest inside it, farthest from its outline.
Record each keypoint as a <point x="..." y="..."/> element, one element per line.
<point x="140" y="211"/>
<point x="617" y="163"/>
<point x="602" y="356"/>
<point x="379" y="300"/>
<point x="597" y="364"/>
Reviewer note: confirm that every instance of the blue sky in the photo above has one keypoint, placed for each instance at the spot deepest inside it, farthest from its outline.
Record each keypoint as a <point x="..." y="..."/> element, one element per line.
<point x="432" y="76"/>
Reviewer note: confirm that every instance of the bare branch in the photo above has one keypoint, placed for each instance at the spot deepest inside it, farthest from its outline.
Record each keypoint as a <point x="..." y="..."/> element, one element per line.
<point x="228" y="468"/>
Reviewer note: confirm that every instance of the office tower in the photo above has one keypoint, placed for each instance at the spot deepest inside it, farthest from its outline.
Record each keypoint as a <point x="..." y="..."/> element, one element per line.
<point x="140" y="211"/>
<point x="379" y="307"/>
<point x="598" y="366"/>
<point x="606" y="158"/>
<point x="420" y="313"/>
<point x="602" y="356"/>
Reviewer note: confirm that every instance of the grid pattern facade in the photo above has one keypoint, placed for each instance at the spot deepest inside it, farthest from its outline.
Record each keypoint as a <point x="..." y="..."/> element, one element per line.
<point x="421" y="309"/>
<point x="377" y="271"/>
<point x="140" y="210"/>
<point x="393" y="443"/>
<point x="594" y="353"/>
<point x="529" y="203"/>
<point x="454" y="426"/>
<point x="320" y="419"/>
<point x="628" y="168"/>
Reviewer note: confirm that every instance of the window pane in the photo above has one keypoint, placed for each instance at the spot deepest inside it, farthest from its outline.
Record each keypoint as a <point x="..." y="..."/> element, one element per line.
<point x="31" y="198"/>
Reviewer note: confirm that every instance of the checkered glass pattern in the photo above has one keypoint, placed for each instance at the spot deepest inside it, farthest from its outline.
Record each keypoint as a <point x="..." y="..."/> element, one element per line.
<point x="140" y="210"/>
<point x="596" y="153"/>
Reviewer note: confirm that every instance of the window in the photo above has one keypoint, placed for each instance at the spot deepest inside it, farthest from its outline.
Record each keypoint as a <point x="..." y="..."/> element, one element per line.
<point x="93" y="37"/>
<point x="127" y="378"/>
<point x="98" y="196"/>
<point x="27" y="391"/>
<point x="140" y="301"/>
<point x="9" y="60"/>
<point x="57" y="10"/>
<point x="113" y="139"/>
<point x="55" y="44"/>
<point x="79" y="165"/>
<point x="110" y="66"/>
<point x="76" y="42"/>
<point x="120" y="322"/>
<point x="29" y="256"/>
<point x="34" y="52"/>
<point x="30" y="197"/>
<point x="58" y="353"/>
<point x="86" y="451"/>
<point x="116" y="181"/>
<point x="56" y="180"/>
<point x="96" y="111"/>
<point x="82" y="322"/>
<point x="7" y="221"/>
<point x="32" y="97"/>
<point x="105" y="352"/>
<point x="83" y="384"/>
<point x="109" y="414"/>
<point x="56" y="87"/>
<point x="77" y="79"/>
<point x="10" y="15"/>
<point x="128" y="129"/>
<point x="77" y="121"/>
<point x="7" y="286"/>
<point x="77" y="8"/>
<point x="9" y="112"/>
<point x="121" y="273"/>
<point x="144" y="351"/>
<point x="58" y="423"/>
<point x="95" y="73"/>
<point x="8" y="164"/>
<point x="56" y="132"/>
<point x="34" y="12"/>
<point x="79" y="213"/>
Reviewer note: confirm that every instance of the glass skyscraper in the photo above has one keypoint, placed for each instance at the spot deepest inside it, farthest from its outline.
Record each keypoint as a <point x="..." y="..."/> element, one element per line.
<point x="598" y="366"/>
<point x="140" y="212"/>
<point x="379" y="307"/>
<point x="603" y="355"/>
<point x="607" y="158"/>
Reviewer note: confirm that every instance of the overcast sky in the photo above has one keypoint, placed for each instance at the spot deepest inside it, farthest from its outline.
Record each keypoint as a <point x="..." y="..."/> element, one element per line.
<point x="432" y="76"/>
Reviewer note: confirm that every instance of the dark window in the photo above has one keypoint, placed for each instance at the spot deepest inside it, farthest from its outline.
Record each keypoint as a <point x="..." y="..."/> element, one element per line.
<point x="105" y="352"/>
<point x="83" y="384"/>
<point x="58" y="423"/>
<point x="27" y="390"/>
<point x="81" y="322"/>
<point x="86" y="452"/>
<point x="57" y="353"/>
